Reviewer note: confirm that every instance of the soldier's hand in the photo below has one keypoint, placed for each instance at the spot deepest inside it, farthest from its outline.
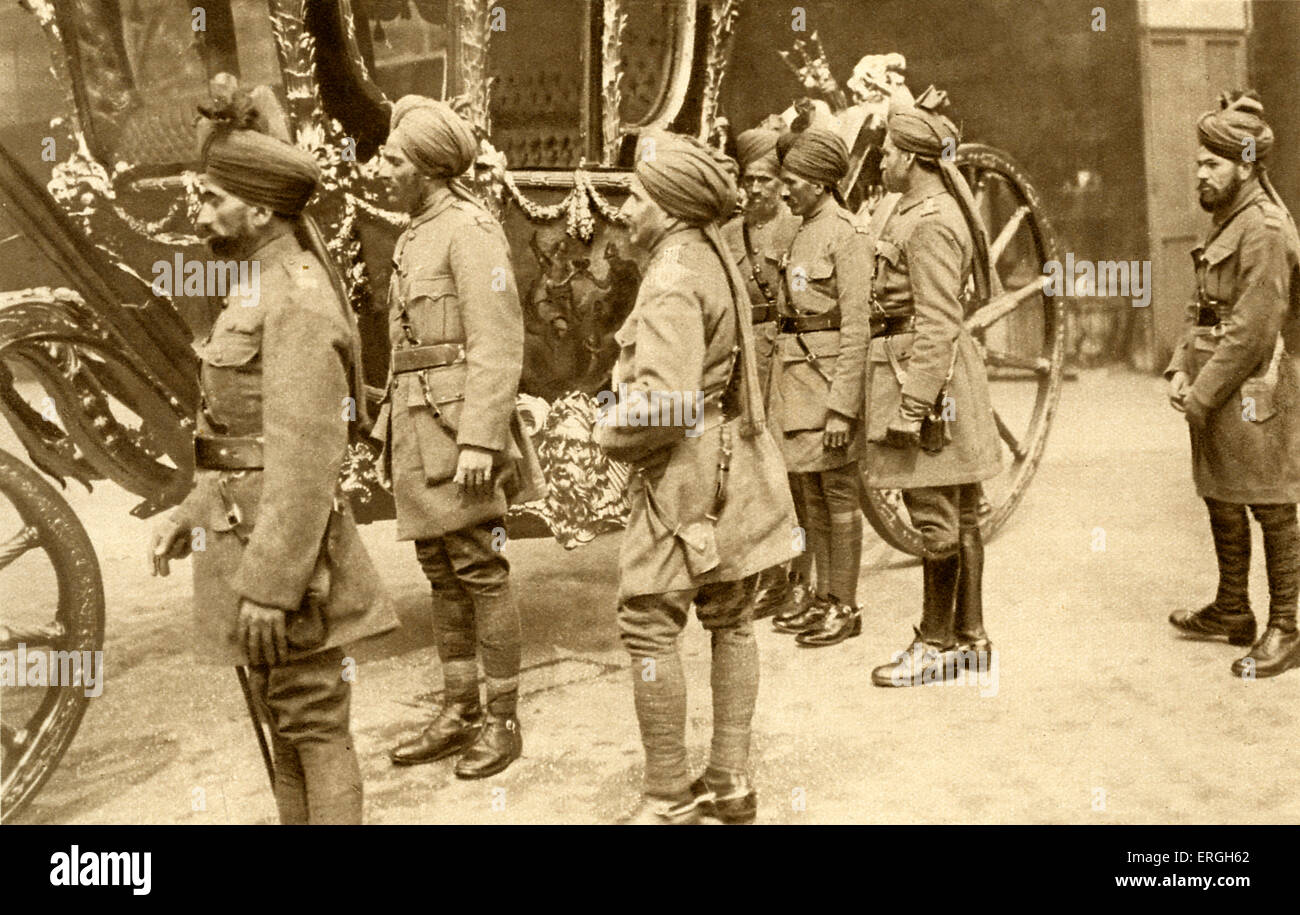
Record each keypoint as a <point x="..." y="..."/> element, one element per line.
<point x="167" y="540"/>
<point x="474" y="471"/>
<point x="1178" y="386"/>
<point x="261" y="631"/>
<point x="838" y="430"/>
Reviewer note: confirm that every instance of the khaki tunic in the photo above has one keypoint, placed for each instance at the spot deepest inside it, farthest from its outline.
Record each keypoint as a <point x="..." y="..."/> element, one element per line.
<point x="758" y="253"/>
<point x="453" y="283"/>
<point x="829" y="264"/>
<point x="1249" y="449"/>
<point x="923" y="259"/>
<point x="679" y="338"/>
<point x="278" y="365"/>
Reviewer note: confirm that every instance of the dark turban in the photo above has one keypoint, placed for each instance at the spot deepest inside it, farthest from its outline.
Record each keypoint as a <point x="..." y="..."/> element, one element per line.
<point x="433" y="136"/>
<point x="686" y="178"/>
<point x="1240" y="115"/>
<point x="818" y="155"/>
<point x="257" y="168"/>
<point x="756" y="149"/>
<point x="920" y="128"/>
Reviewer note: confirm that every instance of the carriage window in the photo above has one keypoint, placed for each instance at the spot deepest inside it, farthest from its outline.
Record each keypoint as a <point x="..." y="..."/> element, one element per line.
<point x="404" y="44"/>
<point x="538" y="66"/>
<point x="145" y="67"/>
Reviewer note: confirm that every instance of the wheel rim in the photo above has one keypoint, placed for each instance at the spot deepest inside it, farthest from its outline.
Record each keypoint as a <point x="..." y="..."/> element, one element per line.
<point x="1019" y="331"/>
<point x="49" y="546"/>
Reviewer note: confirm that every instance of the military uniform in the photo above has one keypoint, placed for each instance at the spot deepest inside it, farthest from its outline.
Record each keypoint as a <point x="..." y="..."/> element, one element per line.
<point x="457" y="333"/>
<point x="1242" y="406"/>
<point x="821" y="348"/>
<point x="680" y="337"/>
<point x="924" y="257"/>
<point x="758" y="252"/>
<point x="273" y="434"/>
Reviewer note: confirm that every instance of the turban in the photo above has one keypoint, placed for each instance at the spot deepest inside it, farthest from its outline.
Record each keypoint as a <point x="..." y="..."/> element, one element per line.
<point x="257" y="168"/>
<point x="920" y="128"/>
<point x="1239" y="118"/>
<point x="433" y="136"/>
<point x="818" y="155"/>
<point x="686" y="178"/>
<point x="756" y="149"/>
<point x="784" y="142"/>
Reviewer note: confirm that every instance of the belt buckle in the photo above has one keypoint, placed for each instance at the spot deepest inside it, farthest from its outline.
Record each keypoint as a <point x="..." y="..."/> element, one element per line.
<point x="1218" y="330"/>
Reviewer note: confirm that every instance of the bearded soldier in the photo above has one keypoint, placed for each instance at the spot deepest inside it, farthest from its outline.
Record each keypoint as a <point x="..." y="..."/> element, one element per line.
<point x="1234" y="377"/>
<point x="709" y="503"/>
<point x="281" y="579"/>
<point x="758" y="239"/>
<point x="927" y="374"/>
<point x="822" y="347"/>
<point x="456" y="449"/>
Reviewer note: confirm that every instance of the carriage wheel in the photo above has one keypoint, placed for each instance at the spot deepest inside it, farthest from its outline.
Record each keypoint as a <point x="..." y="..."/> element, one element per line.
<point x="1021" y="333"/>
<point x="56" y="602"/>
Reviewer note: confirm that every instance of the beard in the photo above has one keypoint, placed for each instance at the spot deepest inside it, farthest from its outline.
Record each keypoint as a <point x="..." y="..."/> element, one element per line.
<point x="224" y="246"/>
<point x="1212" y="199"/>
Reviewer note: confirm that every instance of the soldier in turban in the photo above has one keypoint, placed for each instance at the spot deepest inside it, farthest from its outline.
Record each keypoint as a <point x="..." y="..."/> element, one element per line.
<point x="757" y="240"/>
<point x="455" y="449"/>
<point x="821" y="351"/>
<point x="1234" y="377"/>
<point x="282" y="582"/>
<point x="930" y="422"/>
<point x="710" y="508"/>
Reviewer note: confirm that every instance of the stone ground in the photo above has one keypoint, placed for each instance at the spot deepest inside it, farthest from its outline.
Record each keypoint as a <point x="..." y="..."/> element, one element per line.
<point x="1099" y="712"/>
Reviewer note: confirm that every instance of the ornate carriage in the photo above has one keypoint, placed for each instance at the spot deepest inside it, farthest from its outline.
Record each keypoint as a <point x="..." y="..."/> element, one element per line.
<point x="97" y="376"/>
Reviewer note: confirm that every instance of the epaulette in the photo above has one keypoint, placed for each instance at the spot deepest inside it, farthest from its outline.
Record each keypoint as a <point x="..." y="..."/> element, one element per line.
<point x="1273" y="218"/>
<point x="929" y="207"/>
<point x="858" y="225"/>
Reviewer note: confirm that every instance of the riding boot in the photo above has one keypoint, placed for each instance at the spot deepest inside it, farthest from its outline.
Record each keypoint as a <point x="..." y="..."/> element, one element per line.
<point x="938" y="599"/>
<point x="1230" y="614"/>
<point x="1278" y="649"/>
<point x="969" y="613"/>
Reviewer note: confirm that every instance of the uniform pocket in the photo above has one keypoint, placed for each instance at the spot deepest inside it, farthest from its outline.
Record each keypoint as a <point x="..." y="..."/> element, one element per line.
<point x="818" y="294"/>
<point x="231" y="348"/>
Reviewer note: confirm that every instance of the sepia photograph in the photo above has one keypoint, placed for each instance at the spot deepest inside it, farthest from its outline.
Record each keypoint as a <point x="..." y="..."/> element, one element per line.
<point x="513" y="413"/>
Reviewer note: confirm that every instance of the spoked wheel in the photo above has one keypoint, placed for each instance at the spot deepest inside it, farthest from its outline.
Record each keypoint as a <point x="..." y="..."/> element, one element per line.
<point x="53" y="607"/>
<point x="1021" y="333"/>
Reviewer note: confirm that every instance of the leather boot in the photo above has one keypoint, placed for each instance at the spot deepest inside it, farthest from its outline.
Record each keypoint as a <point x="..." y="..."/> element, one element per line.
<point x="1278" y="649"/>
<point x="939" y="599"/>
<point x="454" y="728"/>
<point x="774" y="587"/>
<point x="1211" y="623"/>
<point x="921" y="664"/>
<point x="801" y="595"/>
<point x="664" y="811"/>
<point x="499" y="744"/>
<point x="1229" y="615"/>
<point x="726" y="796"/>
<point x="968" y="621"/>
<point x="841" y="622"/>
<point x="812" y="614"/>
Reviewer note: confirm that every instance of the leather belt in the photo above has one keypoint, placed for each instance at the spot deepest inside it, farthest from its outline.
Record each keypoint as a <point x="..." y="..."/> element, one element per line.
<point x="431" y="356"/>
<point x="807" y="324"/>
<point x="887" y="326"/>
<point x="228" y="452"/>
<point x="761" y="314"/>
<point x="880" y="326"/>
